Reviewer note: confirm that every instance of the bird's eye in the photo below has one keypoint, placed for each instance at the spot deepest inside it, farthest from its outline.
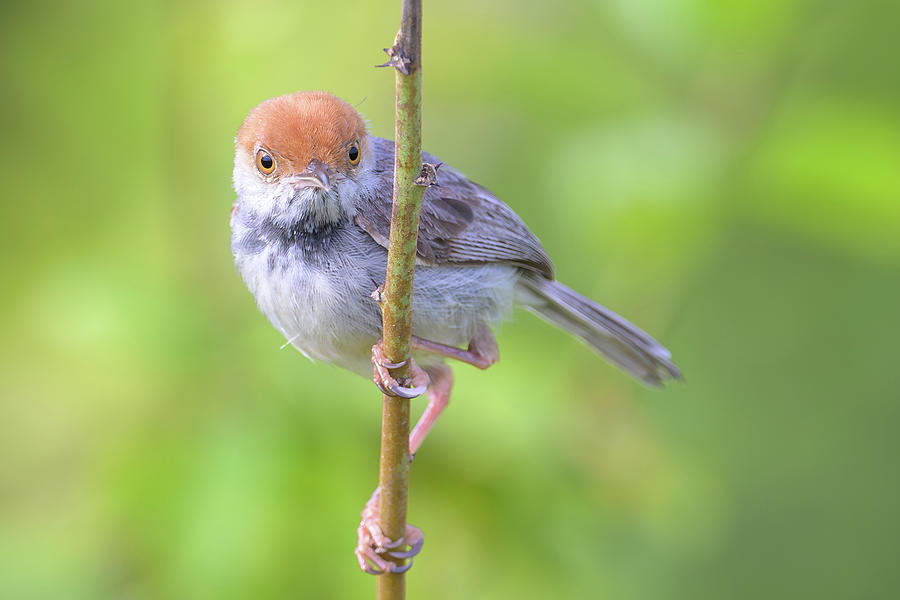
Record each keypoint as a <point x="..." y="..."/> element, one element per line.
<point x="264" y="162"/>
<point x="353" y="154"/>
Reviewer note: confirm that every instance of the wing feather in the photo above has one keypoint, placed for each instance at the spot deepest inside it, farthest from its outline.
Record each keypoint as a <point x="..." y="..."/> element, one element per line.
<point x="460" y="222"/>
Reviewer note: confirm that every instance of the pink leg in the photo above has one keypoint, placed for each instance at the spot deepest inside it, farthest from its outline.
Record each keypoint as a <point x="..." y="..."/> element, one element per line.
<point x="374" y="551"/>
<point x="438" y="399"/>
<point x="482" y="351"/>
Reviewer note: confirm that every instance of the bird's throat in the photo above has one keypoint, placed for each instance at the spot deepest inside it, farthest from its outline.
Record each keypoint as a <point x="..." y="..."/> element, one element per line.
<point x="314" y="208"/>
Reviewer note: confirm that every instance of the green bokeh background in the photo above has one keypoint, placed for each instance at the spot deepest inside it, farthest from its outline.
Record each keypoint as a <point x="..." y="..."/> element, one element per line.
<point x="727" y="175"/>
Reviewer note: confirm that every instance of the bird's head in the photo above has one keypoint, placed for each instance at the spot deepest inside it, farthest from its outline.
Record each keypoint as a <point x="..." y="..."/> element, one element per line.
<point x="302" y="157"/>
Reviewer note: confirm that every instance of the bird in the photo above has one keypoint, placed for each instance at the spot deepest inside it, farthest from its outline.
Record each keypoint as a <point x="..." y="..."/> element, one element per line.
<point x="309" y="236"/>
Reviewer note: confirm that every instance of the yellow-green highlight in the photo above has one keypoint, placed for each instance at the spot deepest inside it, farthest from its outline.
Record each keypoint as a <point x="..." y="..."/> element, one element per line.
<point x="722" y="174"/>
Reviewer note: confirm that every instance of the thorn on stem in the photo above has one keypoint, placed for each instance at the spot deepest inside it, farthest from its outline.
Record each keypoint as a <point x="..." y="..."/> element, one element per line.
<point x="378" y="294"/>
<point x="396" y="57"/>
<point x="428" y="176"/>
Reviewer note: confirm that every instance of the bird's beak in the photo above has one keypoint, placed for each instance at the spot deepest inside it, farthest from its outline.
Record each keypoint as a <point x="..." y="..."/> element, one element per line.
<point x="315" y="176"/>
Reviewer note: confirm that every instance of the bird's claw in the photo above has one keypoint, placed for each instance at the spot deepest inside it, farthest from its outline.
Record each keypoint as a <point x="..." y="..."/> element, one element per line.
<point x="415" y="543"/>
<point x="388" y="384"/>
<point x="400" y="391"/>
<point x="375" y="552"/>
<point x="407" y="392"/>
<point x="390" y="365"/>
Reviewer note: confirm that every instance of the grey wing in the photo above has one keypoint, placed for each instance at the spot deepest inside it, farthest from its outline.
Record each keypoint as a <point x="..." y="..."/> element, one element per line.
<point x="460" y="222"/>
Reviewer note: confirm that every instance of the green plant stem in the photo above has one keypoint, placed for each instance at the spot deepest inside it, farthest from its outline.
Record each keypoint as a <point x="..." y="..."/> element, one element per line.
<point x="397" y="308"/>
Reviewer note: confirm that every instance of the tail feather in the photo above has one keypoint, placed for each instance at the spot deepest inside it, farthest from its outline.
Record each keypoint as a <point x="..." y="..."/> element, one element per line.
<point x="620" y="341"/>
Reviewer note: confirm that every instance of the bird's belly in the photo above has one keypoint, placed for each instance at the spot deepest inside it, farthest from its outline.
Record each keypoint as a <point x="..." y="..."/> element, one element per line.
<point x="451" y="301"/>
<point x="324" y="308"/>
<point x="325" y="313"/>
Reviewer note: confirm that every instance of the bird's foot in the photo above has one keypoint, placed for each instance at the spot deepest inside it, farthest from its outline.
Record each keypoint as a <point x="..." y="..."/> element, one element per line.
<point x="416" y="383"/>
<point x="377" y="553"/>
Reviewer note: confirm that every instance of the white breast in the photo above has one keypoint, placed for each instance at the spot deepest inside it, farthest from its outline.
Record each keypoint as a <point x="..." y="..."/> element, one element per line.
<point x="323" y="310"/>
<point x="322" y="304"/>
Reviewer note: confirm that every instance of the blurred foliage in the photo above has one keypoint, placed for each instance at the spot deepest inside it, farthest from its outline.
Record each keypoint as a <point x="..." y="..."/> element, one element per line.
<point x="725" y="174"/>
